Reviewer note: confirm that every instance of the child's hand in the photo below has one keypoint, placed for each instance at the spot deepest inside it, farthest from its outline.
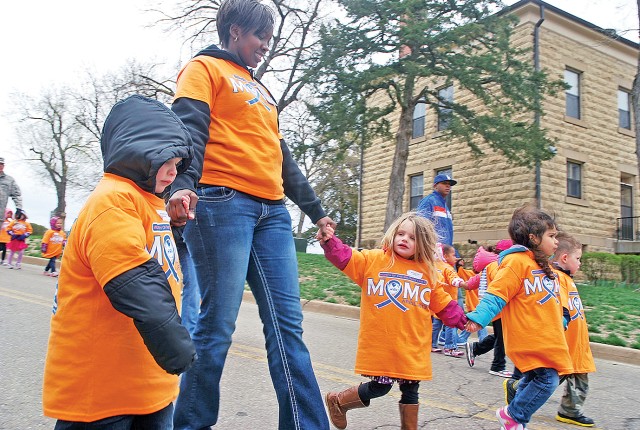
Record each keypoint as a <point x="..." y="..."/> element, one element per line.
<point x="185" y="203"/>
<point x="325" y="234"/>
<point x="472" y="327"/>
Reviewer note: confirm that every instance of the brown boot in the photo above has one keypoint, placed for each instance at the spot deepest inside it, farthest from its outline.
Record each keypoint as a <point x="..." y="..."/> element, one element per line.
<point x="339" y="403"/>
<point x="408" y="417"/>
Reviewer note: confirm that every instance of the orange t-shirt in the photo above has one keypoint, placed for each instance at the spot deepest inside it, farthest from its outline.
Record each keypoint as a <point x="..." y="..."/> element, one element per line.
<point x="577" y="333"/>
<point x="395" y="315"/>
<point x="471" y="298"/>
<point x="4" y="236"/>
<point x="532" y="317"/>
<point x="54" y="240"/>
<point x="449" y="278"/>
<point x="244" y="141"/>
<point x="19" y="227"/>
<point x="97" y="365"/>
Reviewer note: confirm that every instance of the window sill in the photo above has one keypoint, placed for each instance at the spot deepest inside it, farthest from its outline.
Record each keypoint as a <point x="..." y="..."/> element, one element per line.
<point x="575" y="121"/>
<point x="576" y="201"/>
<point x="626" y="132"/>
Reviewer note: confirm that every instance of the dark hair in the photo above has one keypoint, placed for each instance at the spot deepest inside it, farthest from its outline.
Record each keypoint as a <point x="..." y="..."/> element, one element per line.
<point x="249" y="15"/>
<point x="527" y="221"/>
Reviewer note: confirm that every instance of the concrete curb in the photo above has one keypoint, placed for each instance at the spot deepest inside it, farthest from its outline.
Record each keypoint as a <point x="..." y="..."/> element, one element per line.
<point x="599" y="350"/>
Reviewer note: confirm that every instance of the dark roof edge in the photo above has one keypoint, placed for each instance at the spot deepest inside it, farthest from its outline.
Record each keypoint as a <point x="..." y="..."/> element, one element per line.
<point x="571" y="17"/>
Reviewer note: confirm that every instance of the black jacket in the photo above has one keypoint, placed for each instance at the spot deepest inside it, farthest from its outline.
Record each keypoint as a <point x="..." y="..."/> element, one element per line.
<point x="138" y="137"/>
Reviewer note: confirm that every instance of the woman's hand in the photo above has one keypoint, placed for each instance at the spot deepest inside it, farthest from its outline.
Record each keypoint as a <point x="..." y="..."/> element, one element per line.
<point x="325" y="224"/>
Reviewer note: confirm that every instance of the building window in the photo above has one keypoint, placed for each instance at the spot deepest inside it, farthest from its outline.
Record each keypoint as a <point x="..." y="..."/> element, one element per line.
<point x="624" y="109"/>
<point x="626" y="212"/>
<point x="572" y="79"/>
<point x="419" y="114"/>
<point x="446" y="171"/>
<point x="417" y="191"/>
<point x="444" y="111"/>
<point x="574" y="179"/>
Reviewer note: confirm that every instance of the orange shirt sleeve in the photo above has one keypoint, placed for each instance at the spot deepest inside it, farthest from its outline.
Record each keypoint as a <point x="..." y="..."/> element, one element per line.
<point x="122" y="244"/>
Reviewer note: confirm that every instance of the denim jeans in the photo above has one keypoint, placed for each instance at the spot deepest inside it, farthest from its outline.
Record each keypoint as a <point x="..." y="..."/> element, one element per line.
<point x="51" y="265"/>
<point x="161" y="420"/>
<point x="450" y="337"/>
<point x="235" y="238"/>
<point x="436" y="327"/>
<point x="482" y="333"/>
<point x="190" y="289"/>
<point x="534" y="389"/>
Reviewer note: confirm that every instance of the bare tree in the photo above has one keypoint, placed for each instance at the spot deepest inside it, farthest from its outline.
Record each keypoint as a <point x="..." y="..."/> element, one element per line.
<point x="59" y="131"/>
<point x="50" y="137"/>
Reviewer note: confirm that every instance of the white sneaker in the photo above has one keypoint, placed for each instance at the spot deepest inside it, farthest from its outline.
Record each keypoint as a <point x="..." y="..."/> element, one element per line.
<point x="502" y="373"/>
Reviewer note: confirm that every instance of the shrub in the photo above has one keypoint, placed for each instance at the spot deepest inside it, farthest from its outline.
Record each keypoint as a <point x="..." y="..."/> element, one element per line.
<point x="600" y="266"/>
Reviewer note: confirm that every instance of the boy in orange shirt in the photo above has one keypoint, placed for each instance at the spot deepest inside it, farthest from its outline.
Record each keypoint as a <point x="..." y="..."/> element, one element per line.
<point x="116" y="343"/>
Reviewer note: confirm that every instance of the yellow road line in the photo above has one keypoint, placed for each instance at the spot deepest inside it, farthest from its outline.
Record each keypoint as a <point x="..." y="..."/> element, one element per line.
<point x="26" y="297"/>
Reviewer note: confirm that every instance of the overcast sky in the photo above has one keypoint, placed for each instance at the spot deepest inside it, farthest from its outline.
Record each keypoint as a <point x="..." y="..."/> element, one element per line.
<point x="48" y="42"/>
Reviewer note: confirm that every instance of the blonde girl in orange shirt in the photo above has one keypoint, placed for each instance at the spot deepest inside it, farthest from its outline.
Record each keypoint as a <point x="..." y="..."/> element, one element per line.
<point x="399" y="290"/>
<point x="526" y="290"/>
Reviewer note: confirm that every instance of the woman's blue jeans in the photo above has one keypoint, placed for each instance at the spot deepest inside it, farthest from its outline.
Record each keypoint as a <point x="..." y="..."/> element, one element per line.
<point x="534" y="389"/>
<point x="232" y="239"/>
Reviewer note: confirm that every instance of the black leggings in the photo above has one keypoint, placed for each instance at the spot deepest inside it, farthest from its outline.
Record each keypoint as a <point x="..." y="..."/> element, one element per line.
<point x="373" y="389"/>
<point x="3" y="248"/>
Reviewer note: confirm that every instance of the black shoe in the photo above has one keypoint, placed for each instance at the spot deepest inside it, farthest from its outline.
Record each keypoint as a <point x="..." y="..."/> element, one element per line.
<point x="579" y="421"/>
<point x="471" y="357"/>
<point x="510" y="387"/>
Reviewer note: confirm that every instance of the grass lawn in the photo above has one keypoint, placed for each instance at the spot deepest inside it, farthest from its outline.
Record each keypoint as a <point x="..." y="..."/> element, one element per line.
<point x="613" y="313"/>
<point x="612" y="310"/>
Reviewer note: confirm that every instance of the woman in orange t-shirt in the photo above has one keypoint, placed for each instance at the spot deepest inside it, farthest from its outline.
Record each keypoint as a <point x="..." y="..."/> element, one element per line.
<point x="400" y="289"/>
<point x="525" y="284"/>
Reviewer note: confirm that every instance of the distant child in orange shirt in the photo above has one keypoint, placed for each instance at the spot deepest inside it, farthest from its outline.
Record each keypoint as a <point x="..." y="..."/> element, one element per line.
<point x="526" y="292"/>
<point x="4" y="236"/>
<point x="486" y="263"/>
<point x="52" y="243"/>
<point x="399" y="290"/>
<point x="19" y="229"/>
<point x="448" y="277"/>
<point x="116" y="344"/>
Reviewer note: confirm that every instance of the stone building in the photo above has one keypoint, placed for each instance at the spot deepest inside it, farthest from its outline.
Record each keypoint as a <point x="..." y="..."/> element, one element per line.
<point x="588" y="185"/>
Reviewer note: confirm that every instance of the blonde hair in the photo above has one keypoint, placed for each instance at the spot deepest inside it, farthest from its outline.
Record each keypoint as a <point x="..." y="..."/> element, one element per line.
<point x="426" y="239"/>
<point x="567" y="244"/>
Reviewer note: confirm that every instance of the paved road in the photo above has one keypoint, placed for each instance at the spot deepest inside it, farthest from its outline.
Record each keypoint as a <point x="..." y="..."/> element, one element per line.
<point x="459" y="397"/>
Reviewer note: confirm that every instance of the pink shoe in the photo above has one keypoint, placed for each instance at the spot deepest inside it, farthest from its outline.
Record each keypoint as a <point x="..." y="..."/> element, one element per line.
<point x="505" y="420"/>
<point x="456" y="353"/>
<point x="54" y="274"/>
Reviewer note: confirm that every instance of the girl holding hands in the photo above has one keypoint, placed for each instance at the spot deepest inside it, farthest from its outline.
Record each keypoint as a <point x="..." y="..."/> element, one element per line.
<point x="399" y="290"/>
<point x="526" y="290"/>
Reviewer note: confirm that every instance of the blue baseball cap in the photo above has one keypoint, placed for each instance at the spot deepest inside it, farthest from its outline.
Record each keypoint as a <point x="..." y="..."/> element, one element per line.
<point x="444" y="178"/>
